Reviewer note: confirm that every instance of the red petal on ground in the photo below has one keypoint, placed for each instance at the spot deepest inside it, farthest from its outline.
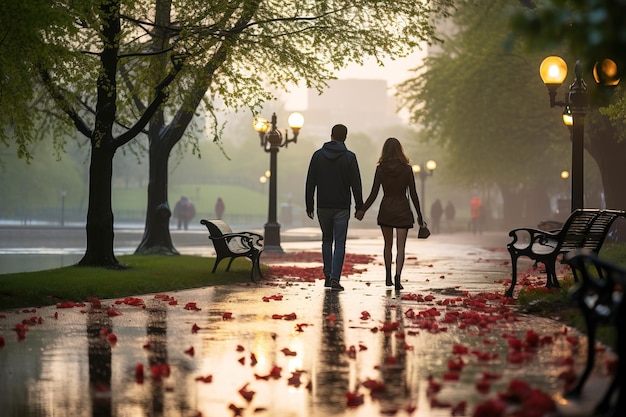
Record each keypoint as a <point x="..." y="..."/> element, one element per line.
<point x="191" y="351"/>
<point x="490" y="408"/>
<point x="275" y="372"/>
<point x="288" y="352"/>
<point x="192" y="306"/>
<point x="294" y="380"/>
<point x="206" y="379"/>
<point x="246" y="394"/>
<point x="112" y="312"/>
<point x="459" y="349"/>
<point x="290" y="316"/>
<point x="195" y="328"/>
<point x="253" y="360"/>
<point x="240" y="348"/>
<point x="227" y="315"/>
<point x="483" y="386"/>
<point x="572" y="340"/>
<point x="237" y="410"/>
<point x="451" y="376"/>
<point x="112" y="338"/>
<point x="139" y="374"/>
<point x="354" y="399"/>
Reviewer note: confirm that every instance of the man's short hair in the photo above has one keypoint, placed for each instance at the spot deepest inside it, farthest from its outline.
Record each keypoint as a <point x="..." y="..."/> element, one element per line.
<point x="339" y="132"/>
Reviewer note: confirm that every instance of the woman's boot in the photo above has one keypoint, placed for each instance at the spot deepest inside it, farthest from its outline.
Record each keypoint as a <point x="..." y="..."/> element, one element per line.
<point x="388" y="281"/>
<point x="397" y="283"/>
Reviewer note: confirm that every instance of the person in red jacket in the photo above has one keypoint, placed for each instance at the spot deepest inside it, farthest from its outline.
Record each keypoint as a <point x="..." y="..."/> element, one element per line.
<point x="184" y="211"/>
<point x="395" y="175"/>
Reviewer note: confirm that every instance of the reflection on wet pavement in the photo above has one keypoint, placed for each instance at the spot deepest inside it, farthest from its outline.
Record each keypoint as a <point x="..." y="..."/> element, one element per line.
<point x="289" y="348"/>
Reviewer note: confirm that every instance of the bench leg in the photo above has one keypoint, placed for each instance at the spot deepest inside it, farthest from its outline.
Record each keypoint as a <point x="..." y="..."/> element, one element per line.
<point x="232" y="258"/>
<point x="552" y="282"/>
<point x="256" y="266"/>
<point x="591" y="325"/>
<point x="217" y="261"/>
<point x="509" y="292"/>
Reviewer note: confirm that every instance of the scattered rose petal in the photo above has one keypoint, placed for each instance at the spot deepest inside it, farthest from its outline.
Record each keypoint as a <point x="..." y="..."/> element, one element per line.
<point x="246" y="394"/>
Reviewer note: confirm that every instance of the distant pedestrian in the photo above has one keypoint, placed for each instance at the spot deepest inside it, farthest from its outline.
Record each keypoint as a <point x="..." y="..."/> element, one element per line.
<point x="395" y="175"/>
<point x="219" y="208"/>
<point x="333" y="174"/>
<point x="475" y="215"/>
<point x="436" y="212"/>
<point x="450" y="213"/>
<point x="184" y="211"/>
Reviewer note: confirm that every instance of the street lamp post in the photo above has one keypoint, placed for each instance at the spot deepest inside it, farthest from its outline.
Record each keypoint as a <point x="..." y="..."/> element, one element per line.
<point x="424" y="171"/>
<point x="271" y="140"/>
<point x="553" y="71"/>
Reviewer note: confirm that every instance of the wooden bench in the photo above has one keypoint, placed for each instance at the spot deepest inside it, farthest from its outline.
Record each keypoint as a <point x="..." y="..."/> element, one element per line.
<point x="234" y="245"/>
<point x="584" y="229"/>
<point x="599" y="294"/>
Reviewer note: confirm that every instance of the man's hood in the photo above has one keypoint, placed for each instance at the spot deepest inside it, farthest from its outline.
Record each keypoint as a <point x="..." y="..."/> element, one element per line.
<point x="334" y="149"/>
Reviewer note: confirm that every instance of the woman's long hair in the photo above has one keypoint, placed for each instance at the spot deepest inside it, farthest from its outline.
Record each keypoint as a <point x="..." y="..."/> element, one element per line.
<point x="392" y="149"/>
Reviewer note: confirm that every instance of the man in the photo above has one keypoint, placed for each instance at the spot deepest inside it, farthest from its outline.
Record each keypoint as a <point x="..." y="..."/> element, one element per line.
<point x="334" y="172"/>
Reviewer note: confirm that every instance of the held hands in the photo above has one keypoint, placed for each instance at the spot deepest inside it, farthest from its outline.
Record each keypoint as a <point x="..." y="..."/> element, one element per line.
<point x="310" y="214"/>
<point x="359" y="215"/>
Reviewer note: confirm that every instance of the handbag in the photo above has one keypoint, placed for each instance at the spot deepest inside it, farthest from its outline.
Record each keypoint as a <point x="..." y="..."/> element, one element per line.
<point x="423" y="232"/>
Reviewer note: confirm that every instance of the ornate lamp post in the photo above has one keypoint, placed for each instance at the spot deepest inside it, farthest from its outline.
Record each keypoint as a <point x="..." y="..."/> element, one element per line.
<point x="553" y="71"/>
<point x="424" y="171"/>
<point x="271" y="140"/>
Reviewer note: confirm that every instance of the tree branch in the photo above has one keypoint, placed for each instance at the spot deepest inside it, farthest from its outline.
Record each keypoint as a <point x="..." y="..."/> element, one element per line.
<point x="58" y="96"/>
<point x="159" y="98"/>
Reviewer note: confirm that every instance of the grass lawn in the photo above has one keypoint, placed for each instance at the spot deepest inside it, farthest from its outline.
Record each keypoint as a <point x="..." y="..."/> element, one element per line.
<point x="145" y="275"/>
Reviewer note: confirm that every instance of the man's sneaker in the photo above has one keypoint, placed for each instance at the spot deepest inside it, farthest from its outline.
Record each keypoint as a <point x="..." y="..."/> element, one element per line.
<point x="327" y="282"/>
<point x="335" y="285"/>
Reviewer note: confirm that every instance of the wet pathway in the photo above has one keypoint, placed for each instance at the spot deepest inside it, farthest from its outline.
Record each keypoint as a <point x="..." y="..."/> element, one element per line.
<point x="288" y="347"/>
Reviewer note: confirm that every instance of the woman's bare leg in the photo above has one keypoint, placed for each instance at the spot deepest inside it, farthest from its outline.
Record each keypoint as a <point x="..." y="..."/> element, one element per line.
<point x="387" y="256"/>
<point x="401" y="235"/>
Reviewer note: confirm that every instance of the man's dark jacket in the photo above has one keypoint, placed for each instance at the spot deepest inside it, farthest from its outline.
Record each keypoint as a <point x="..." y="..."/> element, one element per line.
<point x="334" y="171"/>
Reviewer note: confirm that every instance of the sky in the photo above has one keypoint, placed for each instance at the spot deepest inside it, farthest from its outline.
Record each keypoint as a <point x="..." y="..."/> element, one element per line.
<point x="394" y="72"/>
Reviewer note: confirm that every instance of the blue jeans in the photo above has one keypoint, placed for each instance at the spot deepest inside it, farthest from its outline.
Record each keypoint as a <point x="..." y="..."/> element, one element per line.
<point x="334" y="225"/>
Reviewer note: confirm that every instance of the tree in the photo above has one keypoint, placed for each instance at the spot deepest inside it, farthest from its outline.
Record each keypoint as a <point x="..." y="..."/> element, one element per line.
<point x="241" y="47"/>
<point x="144" y="67"/>
<point x="590" y="30"/>
<point x="485" y="107"/>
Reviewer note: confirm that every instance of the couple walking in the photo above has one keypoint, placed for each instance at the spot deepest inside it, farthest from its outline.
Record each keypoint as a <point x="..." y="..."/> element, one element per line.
<point x="334" y="174"/>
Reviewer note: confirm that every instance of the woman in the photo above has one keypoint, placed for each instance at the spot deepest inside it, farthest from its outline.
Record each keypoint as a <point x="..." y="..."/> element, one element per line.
<point x="394" y="173"/>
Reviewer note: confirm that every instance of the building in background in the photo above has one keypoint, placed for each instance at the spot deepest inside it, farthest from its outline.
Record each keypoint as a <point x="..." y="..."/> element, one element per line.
<point x="361" y="104"/>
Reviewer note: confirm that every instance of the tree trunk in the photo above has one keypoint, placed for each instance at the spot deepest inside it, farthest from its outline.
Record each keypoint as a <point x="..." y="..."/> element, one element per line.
<point x="610" y="153"/>
<point x="99" y="226"/>
<point x="156" y="237"/>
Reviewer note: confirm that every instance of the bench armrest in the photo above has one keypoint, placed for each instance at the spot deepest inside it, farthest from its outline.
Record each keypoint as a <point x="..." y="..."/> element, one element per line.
<point x="533" y="236"/>
<point x="242" y="241"/>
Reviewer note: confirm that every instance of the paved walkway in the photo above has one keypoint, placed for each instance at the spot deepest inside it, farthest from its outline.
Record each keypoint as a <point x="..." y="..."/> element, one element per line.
<point x="444" y="346"/>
